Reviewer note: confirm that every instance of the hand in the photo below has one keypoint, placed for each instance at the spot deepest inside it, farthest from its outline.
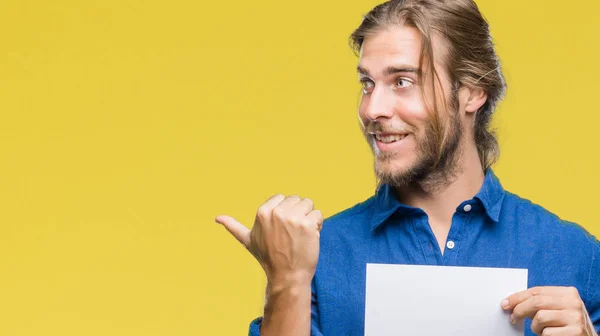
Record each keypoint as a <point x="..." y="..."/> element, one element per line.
<point x="553" y="310"/>
<point x="284" y="239"/>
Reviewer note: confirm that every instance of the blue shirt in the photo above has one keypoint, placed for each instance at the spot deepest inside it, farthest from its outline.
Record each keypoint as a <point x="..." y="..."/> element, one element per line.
<point x="493" y="229"/>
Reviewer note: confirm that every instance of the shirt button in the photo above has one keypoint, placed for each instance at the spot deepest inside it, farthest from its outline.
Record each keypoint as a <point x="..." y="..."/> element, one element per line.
<point x="467" y="208"/>
<point x="450" y="244"/>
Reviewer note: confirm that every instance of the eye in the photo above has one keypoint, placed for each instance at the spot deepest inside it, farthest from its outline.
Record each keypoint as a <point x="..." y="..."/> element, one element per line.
<point x="403" y="83"/>
<point x="367" y="85"/>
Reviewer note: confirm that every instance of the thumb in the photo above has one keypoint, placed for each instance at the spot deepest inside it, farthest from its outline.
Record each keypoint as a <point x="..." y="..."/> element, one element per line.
<point x="237" y="229"/>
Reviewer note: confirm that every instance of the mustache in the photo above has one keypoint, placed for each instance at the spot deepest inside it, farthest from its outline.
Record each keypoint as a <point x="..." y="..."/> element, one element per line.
<point x="378" y="127"/>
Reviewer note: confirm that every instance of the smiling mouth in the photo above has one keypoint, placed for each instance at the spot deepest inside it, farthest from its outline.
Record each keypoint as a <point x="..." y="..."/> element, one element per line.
<point x="389" y="138"/>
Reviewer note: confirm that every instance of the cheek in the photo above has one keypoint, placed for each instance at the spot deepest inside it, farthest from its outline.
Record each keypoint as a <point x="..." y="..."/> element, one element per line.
<point x="412" y="109"/>
<point x="413" y="112"/>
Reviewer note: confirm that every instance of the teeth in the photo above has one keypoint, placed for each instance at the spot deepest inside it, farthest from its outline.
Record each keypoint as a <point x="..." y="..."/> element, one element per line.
<point x="390" y="138"/>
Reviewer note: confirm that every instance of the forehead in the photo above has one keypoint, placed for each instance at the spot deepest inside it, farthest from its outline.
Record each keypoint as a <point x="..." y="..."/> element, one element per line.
<point x="398" y="46"/>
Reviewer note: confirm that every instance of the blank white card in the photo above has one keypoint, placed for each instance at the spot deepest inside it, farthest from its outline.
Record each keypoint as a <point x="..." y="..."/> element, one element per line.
<point x="439" y="300"/>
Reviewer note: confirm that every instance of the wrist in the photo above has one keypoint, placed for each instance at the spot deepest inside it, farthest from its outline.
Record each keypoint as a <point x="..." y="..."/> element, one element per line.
<point x="287" y="309"/>
<point x="288" y="288"/>
<point x="290" y="282"/>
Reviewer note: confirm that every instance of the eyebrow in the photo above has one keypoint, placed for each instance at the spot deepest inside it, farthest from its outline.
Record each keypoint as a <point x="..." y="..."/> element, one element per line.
<point x="389" y="70"/>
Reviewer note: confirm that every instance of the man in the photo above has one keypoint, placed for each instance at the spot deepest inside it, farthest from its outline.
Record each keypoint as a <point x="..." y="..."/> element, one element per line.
<point x="431" y="81"/>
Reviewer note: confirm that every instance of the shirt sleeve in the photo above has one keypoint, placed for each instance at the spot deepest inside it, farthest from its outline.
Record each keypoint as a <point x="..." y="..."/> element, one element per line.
<point x="314" y="321"/>
<point x="592" y="300"/>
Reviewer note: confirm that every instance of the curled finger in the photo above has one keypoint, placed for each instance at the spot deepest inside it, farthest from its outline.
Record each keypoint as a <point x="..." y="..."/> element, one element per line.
<point x="550" y="318"/>
<point x="316" y="217"/>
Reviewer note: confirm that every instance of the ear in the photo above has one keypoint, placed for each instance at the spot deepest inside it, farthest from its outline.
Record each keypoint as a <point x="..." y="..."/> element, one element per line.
<point x="474" y="99"/>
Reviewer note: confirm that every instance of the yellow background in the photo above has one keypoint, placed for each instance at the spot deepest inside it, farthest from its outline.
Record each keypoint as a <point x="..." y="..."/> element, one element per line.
<point x="126" y="126"/>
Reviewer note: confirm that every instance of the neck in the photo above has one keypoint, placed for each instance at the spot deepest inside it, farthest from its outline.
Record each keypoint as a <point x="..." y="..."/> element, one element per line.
<point x="440" y="202"/>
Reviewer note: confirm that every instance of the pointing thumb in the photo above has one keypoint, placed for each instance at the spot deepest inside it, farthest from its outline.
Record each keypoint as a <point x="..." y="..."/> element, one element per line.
<point x="237" y="229"/>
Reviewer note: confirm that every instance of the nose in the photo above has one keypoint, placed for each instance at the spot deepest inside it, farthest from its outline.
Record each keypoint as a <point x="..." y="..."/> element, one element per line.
<point x="379" y="104"/>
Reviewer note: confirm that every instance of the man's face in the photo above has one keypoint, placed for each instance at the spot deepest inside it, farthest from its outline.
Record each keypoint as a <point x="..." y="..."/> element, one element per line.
<point x="396" y="118"/>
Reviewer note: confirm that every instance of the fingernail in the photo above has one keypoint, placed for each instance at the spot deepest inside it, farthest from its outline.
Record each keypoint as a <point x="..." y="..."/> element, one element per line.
<point x="512" y="319"/>
<point x="504" y="303"/>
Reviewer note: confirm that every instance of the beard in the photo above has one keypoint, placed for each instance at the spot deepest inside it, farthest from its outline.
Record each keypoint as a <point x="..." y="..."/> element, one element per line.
<point x="437" y="155"/>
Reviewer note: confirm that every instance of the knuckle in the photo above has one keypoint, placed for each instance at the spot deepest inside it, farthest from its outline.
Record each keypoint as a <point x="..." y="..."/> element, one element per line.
<point x="292" y="221"/>
<point x="279" y="213"/>
<point x="541" y="317"/>
<point x="538" y="302"/>
<point x="299" y="222"/>
<point x="296" y="222"/>
<point x="275" y="198"/>
<point x="520" y="312"/>
<point x="262" y="213"/>
<point x="306" y="223"/>
<point x="517" y="312"/>
<point x="536" y="327"/>
<point x="278" y="196"/>
<point x="578" y="318"/>
<point x="573" y="291"/>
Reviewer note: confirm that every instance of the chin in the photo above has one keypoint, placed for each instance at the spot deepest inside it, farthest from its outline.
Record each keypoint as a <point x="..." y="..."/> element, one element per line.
<point x="400" y="172"/>
<point x="388" y="167"/>
<point x="395" y="165"/>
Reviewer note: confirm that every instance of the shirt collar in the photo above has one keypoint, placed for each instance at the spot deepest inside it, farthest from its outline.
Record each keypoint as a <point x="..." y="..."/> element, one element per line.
<point x="491" y="195"/>
<point x="386" y="204"/>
